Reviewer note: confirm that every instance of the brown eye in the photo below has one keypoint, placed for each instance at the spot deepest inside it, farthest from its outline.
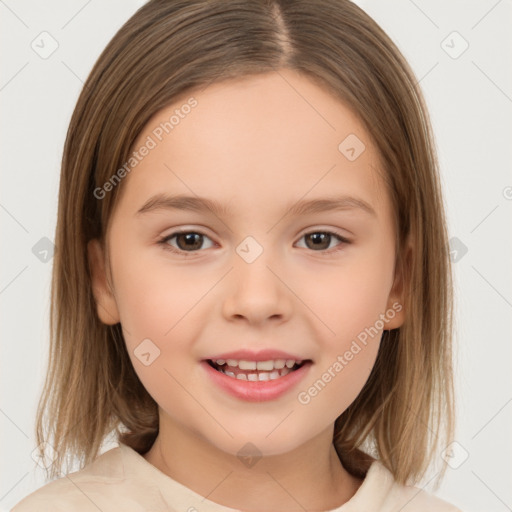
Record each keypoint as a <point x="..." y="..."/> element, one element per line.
<point x="318" y="240"/>
<point x="189" y="241"/>
<point x="321" y="240"/>
<point x="186" y="241"/>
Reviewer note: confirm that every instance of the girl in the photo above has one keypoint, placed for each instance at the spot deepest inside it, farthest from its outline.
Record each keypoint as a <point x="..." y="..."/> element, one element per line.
<point x="251" y="287"/>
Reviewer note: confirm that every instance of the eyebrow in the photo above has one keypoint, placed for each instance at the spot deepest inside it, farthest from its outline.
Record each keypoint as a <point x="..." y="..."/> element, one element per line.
<point x="162" y="201"/>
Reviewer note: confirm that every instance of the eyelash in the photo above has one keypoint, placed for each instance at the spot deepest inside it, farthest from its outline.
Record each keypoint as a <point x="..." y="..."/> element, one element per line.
<point x="163" y="241"/>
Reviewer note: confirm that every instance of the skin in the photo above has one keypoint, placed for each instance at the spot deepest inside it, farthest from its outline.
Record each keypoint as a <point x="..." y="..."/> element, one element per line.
<point x="256" y="145"/>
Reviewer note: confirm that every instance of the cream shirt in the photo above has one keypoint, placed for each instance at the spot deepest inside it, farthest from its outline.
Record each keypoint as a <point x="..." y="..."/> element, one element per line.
<point x="121" y="480"/>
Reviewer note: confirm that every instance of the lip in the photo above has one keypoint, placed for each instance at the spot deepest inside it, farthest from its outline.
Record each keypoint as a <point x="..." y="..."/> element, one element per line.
<point x="262" y="355"/>
<point x="258" y="391"/>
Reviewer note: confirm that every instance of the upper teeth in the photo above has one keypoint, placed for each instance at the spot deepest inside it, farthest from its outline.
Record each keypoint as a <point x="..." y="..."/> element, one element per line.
<point x="259" y="365"/>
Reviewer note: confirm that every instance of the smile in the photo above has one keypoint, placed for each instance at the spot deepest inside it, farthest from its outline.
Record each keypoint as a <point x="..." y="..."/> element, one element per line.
<point x="256" y="370"/>
<point x="256" y="381"/>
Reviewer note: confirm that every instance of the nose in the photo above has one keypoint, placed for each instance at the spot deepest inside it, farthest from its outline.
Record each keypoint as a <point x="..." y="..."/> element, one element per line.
<point x="256" y="292"/>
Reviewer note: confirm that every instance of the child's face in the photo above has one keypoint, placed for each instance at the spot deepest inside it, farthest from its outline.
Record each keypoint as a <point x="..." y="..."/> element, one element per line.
<point x="256" y="146"/>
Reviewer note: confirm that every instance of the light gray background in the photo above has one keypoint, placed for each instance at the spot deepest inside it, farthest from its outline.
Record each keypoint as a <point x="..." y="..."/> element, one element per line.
<point x="470" y="100"/>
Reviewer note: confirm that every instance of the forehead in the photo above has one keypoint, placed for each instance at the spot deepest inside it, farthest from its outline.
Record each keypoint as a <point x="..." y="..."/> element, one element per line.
<point x="256" y="139"/>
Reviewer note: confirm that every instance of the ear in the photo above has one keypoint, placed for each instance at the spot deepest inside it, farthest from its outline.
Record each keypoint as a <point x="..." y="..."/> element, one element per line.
<point x="105" y="301"/>
<point x="396" y="298"/>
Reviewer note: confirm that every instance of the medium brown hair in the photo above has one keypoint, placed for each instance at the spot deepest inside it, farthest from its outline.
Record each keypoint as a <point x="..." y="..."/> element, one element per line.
<point x="167" y="49"/>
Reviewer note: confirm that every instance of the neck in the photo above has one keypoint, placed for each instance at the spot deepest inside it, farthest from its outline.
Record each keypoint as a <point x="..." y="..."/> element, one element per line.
<point x="309" y="477"/>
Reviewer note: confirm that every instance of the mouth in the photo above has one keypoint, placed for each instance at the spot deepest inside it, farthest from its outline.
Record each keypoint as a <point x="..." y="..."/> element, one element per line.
<point x="256" y="371"/>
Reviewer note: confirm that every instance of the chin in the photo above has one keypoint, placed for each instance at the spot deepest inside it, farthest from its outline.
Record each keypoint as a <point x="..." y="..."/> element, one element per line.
<point x="260" y="443"/>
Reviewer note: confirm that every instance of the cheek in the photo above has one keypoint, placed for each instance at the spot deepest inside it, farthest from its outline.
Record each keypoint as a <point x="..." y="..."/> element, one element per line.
<point x="163" y="303"/>
<point x="351" y="297"/>
<point x="156" y="303"/>
<point x="153" y="294"/>
<point x="336" y="384"/>
<point x="350" y="302"/>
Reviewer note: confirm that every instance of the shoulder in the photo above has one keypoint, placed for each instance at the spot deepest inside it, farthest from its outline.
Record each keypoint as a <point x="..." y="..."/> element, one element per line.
<point x="386" y="495"/>
<point x="414" y="499"/>
<point x="82" y="490"/>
